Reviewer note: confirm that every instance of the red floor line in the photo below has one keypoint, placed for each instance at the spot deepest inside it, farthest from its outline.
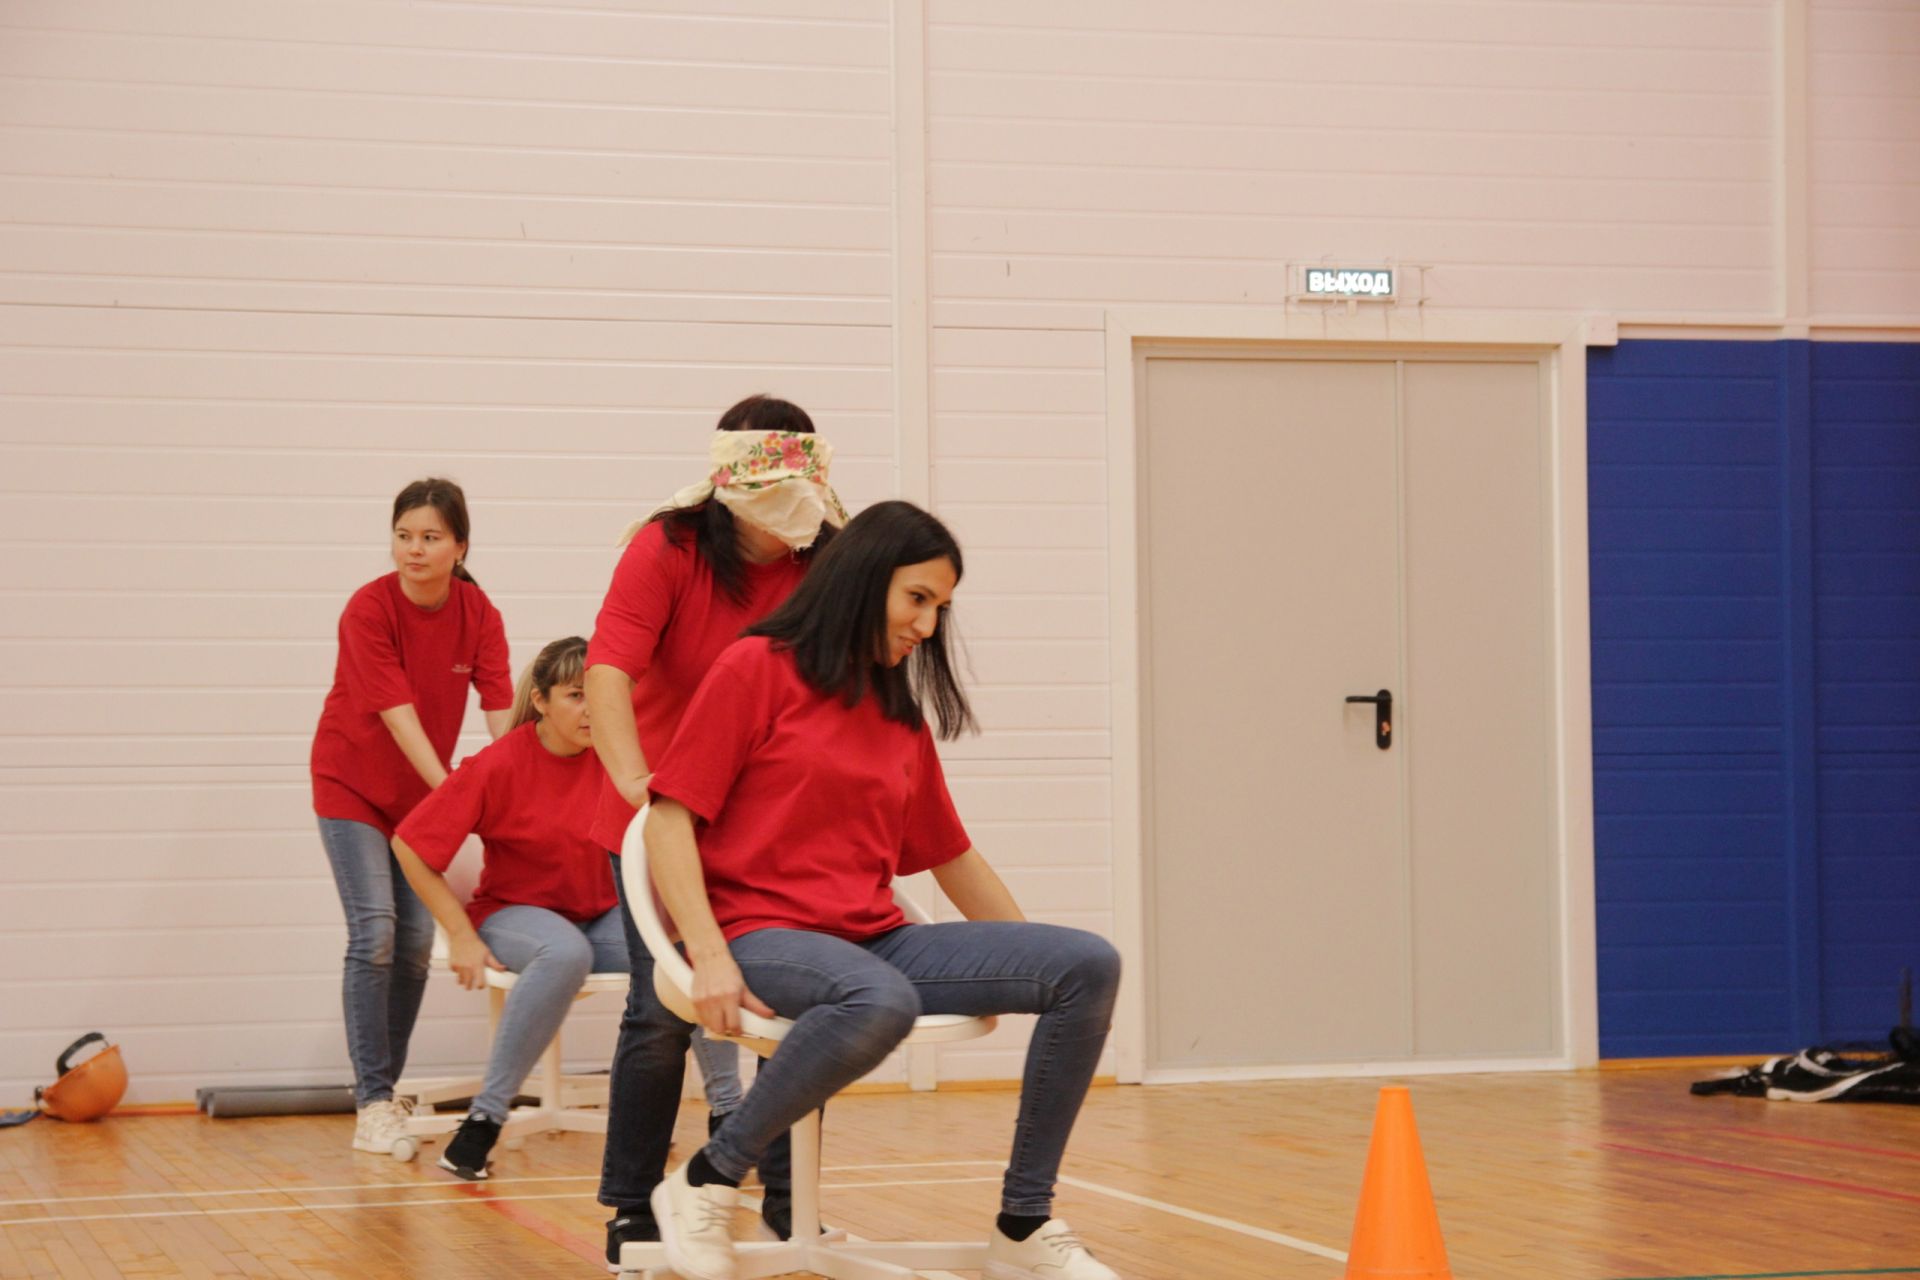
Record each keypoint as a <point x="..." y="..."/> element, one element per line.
<point x="541" y="1227"/>
<point x="1777" y="1174"/>
<point x="1709" y="1130"/>
<point x="1823" y="1142"/>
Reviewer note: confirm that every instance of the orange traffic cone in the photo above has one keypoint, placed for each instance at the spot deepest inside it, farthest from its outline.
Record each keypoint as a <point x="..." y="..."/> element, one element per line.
<point x="1396" y="1234"/>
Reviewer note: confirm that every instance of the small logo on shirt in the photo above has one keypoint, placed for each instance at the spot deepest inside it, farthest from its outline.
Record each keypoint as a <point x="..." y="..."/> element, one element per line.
<point x="462" y="669"/>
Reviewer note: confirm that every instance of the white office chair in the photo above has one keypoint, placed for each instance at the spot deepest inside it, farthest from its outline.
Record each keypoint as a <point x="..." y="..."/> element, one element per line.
<point x="562" y="1103"/>
<point x="832" y="1254"/>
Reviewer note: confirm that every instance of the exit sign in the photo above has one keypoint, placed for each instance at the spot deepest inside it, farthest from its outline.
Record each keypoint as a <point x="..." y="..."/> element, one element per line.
<point x="1348" y="282"/>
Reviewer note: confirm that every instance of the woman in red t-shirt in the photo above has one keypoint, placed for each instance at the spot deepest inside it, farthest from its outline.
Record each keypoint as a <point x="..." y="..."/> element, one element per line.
<point x="803" y="781"/>
<point x="411" y="644"/>
<point x="545" y="906"/>
<point x="725" y="553"/>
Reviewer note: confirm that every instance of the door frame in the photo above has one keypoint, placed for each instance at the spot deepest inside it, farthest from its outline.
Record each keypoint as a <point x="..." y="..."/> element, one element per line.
<point x="1559" y="342"/>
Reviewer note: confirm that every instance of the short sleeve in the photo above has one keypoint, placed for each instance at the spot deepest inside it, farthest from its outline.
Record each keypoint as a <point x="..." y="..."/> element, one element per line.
<point x="452" y="811"/>
<point x="492" y="672"/>
<point x="934" y="835"/>
<point x="639" y="603"/>
<point x="370" y="665"/>
<point x="730" y="715"/>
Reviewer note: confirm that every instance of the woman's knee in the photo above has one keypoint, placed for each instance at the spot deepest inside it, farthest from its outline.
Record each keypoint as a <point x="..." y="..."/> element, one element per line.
<point x="1093" y="966"/>
<point x="412" y="944"/>
<point x="883" y="1010"/>
<point x="564" y="956"/>
<point x="371" y="937"/>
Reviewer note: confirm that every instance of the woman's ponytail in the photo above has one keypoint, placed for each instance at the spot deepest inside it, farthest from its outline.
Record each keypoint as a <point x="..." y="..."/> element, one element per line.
<point x="523" y="700"/>
<point x="561" y="663"/>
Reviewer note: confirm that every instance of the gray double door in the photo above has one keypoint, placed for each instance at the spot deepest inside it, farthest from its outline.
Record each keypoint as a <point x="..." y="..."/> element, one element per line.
<point x="1316" y="530"/>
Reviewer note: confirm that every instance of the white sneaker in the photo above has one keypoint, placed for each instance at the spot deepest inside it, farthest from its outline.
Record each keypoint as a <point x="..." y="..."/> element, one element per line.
<point x="696" y="1226"/>
<point x="368" y="1125"/>
<point x="1051" y="1253"/>
<point x="380" y="1124"/>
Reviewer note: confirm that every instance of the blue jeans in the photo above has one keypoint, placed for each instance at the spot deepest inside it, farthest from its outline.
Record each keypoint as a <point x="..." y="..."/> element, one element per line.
<point x="649" y="1067"/>
<point x="719" y="1062"/>
<point x="389" y="936"/>
<point x="552" y="956"/>
<point x="853" y="1002"/>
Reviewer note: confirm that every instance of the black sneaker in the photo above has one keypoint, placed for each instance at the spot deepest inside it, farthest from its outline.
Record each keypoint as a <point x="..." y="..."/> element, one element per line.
<point x="466" y="1153"/>
<point x="630" y="1226"/>
<point x="776" y="1210"/>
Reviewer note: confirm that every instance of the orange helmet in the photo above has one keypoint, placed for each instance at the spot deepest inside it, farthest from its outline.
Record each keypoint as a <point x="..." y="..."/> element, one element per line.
<point x="89" y="1090"/>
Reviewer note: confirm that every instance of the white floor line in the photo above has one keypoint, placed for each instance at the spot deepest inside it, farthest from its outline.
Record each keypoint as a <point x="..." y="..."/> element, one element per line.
<point x="284" y="1208"/>
<point x="414" y="1203"/>
<point x="285" y="1191"/>
<point x="1192" y="1215"/>
<point x="895" y="1182"/>
<point x="1212" y="1220"/>
<point x="916" y="1164"/>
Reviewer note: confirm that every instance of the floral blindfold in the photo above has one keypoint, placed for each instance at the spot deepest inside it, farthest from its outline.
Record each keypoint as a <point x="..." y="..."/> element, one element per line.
<point x="776" y="480"/>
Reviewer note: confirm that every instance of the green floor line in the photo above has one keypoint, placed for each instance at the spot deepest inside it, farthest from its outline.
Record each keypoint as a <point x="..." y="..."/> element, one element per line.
<point x="1794" y="1275"/>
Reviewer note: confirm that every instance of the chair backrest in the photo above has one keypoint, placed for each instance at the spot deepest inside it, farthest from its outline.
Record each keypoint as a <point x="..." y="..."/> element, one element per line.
<point x="672" y="975"/>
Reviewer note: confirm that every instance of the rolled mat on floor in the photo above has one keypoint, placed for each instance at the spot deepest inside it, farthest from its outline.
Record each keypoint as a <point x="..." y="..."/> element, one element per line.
<point x="234" y="1101"/>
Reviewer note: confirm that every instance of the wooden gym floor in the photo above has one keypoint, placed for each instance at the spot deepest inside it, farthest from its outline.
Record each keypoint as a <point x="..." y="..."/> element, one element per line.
<point x="1589" y="1176"/>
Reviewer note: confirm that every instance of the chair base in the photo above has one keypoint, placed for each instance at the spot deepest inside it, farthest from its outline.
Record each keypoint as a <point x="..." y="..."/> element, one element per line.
<point x="831" y="1255"/>
<point x="577" y="1105"/>
<point x="827" y="1253"/>
<point x="563" y="1103"/>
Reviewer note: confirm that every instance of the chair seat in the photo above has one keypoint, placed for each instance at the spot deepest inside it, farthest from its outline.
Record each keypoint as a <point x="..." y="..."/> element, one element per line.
<point x="596" y="983"/>
<point x="758" y="1032"/>
<point x="504" y="979"/>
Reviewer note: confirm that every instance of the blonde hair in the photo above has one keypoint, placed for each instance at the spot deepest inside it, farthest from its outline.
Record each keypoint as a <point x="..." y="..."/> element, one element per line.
<point x="561" y="663"/>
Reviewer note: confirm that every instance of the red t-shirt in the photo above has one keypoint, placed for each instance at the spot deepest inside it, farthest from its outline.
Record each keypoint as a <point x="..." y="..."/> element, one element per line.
<point x="809" y="808"/>
<point x="530" y="809"/>
<point x="664" y="621"/>
<point x="393" y="652"/>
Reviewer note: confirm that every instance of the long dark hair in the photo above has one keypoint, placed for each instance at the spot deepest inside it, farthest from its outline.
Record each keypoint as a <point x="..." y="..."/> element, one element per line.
<point x="710" y="524"/>
<point x="447" y="498"/>
<point x="835" y="623"/>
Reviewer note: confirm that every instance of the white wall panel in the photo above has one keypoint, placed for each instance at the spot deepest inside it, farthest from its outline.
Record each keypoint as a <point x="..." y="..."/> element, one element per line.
<point x="1863" y="87"/>
<point x="260" y="265"/>
<point x="1599" y="156"/>
<point x="447" y="159"/>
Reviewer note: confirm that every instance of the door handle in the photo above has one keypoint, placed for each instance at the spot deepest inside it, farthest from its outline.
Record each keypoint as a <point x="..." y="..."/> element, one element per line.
<point x="1382" y="716"/>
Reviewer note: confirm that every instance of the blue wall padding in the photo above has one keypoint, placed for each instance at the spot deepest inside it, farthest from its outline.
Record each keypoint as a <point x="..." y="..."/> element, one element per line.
<point x="1690" y="840"/>
<point x="1866" y="543"/>
<point x="1756" y="690"/>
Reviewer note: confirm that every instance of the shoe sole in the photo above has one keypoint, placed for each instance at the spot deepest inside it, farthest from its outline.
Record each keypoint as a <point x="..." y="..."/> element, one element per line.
<point x="1006" y="1271"/>
<point x="676" y="1261"/>
<point x="613" y="1268"/>
<point x="461" y="1171"/>
<point x="613" y="1265"/>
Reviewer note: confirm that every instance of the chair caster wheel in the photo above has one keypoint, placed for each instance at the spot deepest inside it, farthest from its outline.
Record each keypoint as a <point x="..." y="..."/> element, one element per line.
<point x="405" y="1149"/>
